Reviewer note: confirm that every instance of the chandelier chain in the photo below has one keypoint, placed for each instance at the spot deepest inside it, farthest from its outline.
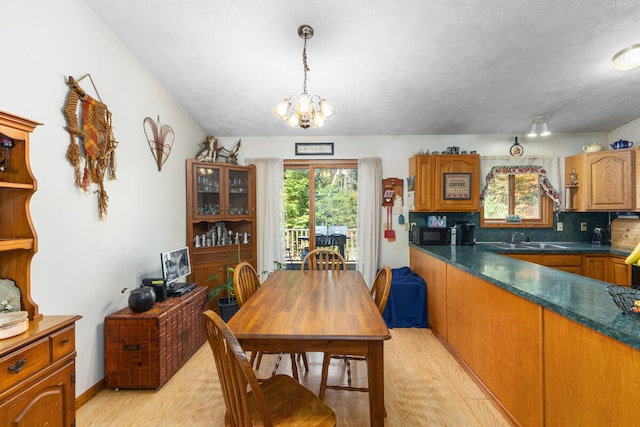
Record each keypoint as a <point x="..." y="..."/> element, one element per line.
<point x="305" y="66"/>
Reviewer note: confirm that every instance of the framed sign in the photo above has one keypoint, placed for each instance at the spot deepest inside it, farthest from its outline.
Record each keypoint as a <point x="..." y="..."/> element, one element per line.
<point x="457" y="186"/>
<point x="314" y="148"/>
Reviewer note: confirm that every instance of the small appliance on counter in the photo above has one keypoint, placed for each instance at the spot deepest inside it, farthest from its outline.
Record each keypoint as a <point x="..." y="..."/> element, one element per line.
<point x="431" y="236"/>
<point x="465" y="233"/>
<point x="598" y="236"/>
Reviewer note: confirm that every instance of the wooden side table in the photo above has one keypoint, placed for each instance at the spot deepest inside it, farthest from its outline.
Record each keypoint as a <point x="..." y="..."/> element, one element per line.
<point x="143" y="350"/>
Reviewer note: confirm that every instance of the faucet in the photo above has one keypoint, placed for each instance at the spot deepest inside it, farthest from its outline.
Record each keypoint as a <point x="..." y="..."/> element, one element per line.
<point x="518" y="237"/>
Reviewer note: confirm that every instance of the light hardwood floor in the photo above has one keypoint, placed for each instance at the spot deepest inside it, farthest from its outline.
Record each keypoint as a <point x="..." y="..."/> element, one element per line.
<point x="424" y="386"/>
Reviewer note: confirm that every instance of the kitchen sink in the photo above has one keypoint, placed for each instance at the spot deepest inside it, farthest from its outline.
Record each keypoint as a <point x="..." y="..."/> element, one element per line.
<point x="528" y="245"/>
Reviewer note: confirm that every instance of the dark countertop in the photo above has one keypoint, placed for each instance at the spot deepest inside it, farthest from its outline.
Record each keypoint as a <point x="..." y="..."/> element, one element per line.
<point x="584" y="300"/>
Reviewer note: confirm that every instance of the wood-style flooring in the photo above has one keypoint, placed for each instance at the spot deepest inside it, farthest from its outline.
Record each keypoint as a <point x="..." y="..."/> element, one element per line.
<point x="424" y="386"/>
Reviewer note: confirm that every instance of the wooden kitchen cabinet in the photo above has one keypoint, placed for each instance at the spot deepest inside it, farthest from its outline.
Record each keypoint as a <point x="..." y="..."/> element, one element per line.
<point x="608" y="268"/>
<point x="606" y="180"/>
<point x="220" y="196"/>
<point x="571" y="263"/>
<point x="445" y="182"/>
<point x="37" y="380"/>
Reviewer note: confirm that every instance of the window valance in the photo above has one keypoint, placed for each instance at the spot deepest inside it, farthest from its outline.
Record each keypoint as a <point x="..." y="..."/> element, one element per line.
<point x="547" y="168"/>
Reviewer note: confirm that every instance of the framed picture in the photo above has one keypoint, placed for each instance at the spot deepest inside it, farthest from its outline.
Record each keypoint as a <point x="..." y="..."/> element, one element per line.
<point x="314" y="148"/>
<point x="457" y="186"/>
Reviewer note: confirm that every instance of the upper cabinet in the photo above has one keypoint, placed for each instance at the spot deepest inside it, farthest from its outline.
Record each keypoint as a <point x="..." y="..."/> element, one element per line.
<point x="220" y="191"/>
<point x="606" y="181"/>
<point x="445" y="182"/>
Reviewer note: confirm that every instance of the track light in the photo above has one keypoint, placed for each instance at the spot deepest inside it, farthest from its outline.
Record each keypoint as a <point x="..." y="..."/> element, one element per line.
<point x="539" y="126"/>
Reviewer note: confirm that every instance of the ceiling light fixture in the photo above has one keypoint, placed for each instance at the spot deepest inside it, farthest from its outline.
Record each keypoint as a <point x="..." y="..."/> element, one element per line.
<point x="300" y="110"/>
<point x="627" y="59"/>
<point x="539" y="126"/>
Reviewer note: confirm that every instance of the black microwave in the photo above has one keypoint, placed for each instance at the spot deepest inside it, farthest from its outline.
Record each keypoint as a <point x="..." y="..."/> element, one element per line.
<point x="431" y="236"/>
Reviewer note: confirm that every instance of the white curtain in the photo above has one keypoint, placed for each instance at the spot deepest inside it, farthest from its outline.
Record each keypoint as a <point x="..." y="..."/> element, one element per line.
<point x="269" y="212"/>
<point x="369" y="205"/>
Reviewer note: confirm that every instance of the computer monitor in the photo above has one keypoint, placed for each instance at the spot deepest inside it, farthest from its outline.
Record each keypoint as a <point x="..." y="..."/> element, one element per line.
<point x="175" y="265"/>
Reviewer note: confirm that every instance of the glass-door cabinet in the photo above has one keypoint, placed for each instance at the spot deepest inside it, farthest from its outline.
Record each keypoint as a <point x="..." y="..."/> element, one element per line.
<point x="221" y="219"/>
<point x="221" y="191"/>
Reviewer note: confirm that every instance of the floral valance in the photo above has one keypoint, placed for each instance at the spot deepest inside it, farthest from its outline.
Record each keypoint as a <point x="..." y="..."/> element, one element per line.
<point x="543" y="179"/>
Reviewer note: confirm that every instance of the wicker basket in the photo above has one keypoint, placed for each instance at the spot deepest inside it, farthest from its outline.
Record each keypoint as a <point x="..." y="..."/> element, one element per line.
<point x="625" y="298"/>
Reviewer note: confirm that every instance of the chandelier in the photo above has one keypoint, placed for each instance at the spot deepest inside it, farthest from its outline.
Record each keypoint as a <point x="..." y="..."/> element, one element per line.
<point x="301" y="110"/>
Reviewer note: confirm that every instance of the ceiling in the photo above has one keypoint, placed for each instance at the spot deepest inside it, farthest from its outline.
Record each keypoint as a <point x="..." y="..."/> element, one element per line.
<point x="405" y="67"/>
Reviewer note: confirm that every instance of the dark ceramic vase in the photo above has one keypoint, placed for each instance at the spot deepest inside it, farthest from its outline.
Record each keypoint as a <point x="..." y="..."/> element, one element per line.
<point x="141" y="299"/>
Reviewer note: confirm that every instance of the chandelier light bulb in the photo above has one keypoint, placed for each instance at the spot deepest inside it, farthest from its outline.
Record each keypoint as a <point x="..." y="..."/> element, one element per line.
<point x="304" y="106"/>
<point x="282" y="108"/>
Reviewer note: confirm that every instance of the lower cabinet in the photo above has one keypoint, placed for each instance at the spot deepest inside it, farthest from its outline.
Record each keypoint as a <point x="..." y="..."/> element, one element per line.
<point x="608" y="268"/>
<point x="571" y="263"/>
<point x="542" y="368"/>
<point x="215" y="261"/>
<point x="143" y="350"/>
<point x="37" y="384"/>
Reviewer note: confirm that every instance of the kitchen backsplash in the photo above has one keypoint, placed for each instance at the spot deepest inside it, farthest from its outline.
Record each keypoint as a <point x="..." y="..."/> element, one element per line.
<point x="571" y="226"/>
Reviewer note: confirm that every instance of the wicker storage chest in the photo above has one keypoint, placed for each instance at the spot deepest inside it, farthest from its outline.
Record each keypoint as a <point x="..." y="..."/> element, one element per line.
<point x="143" y="350"/>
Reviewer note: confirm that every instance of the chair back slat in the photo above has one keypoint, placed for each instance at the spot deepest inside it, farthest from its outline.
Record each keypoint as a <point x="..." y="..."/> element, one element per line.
<point x="323" y="259"/>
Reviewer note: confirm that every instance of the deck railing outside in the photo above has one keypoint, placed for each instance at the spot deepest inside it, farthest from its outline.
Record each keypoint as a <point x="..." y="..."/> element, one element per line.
<point x="296" y="241"/>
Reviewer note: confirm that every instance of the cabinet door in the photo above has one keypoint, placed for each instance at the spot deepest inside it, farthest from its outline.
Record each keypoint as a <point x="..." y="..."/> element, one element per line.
<point x="238" y="199"/>
<point x="610" y="180"/>
<point x="457" y="183"/>
<point x="595" y="267"/>
<point x="420" y="170"/>
<point x="48" y="402"/>
<point x="205" y="182"/>
<point x="620" y="272"/>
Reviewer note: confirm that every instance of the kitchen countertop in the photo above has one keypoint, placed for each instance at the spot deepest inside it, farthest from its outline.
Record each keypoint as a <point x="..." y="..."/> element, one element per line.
<point x="581" y="299"/>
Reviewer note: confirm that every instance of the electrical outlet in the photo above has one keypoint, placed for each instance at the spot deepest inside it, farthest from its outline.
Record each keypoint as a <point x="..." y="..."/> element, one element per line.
<point x="583" y="226"/>
<point x="560" y="226"/>
<point x="406" y="226"/>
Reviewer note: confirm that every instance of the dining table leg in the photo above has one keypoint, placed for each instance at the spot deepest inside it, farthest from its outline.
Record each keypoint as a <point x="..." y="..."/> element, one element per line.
<point x="376" y="383"/>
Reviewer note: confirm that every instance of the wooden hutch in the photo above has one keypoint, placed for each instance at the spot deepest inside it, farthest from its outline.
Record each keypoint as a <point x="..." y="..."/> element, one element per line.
<point x="37" y="367"/>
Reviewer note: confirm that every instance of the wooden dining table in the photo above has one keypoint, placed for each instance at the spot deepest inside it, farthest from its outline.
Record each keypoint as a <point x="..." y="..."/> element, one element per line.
<point x="317" y="311"/>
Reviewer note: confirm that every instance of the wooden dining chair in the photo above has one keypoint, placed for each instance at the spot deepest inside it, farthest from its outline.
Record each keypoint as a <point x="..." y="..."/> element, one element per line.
<point x="278" y="400"/>
<point x="246" y="283"/>
<point x="323" y="259"/>
<point x="380" y="293"/>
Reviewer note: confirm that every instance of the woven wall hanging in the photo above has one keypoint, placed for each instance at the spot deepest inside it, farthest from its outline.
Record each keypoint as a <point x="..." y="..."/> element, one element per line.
<point x="89" y="125"/>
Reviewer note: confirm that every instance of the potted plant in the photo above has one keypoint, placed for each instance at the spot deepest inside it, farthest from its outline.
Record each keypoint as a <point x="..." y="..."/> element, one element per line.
<point x="228" y="304"/>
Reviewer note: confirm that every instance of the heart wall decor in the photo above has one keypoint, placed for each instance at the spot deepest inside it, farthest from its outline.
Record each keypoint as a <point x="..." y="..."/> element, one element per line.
<point x="157" y="139"/>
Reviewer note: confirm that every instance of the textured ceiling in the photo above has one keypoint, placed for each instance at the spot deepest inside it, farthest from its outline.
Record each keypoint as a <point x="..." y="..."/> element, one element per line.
<point x="405" y="67"/>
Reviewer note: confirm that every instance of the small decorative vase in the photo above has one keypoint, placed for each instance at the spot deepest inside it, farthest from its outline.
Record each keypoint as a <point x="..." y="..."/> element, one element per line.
<point x="141" y="299"/>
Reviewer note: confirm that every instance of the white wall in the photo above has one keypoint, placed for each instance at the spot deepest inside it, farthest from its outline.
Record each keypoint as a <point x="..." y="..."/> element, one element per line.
<point x="628" y="132"/>
<point x="82" y="263"/>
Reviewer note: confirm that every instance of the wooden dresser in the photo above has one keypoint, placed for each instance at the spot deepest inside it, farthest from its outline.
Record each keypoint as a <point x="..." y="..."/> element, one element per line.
<point x="143" y="350"/>
<point x="37" y="374"/>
